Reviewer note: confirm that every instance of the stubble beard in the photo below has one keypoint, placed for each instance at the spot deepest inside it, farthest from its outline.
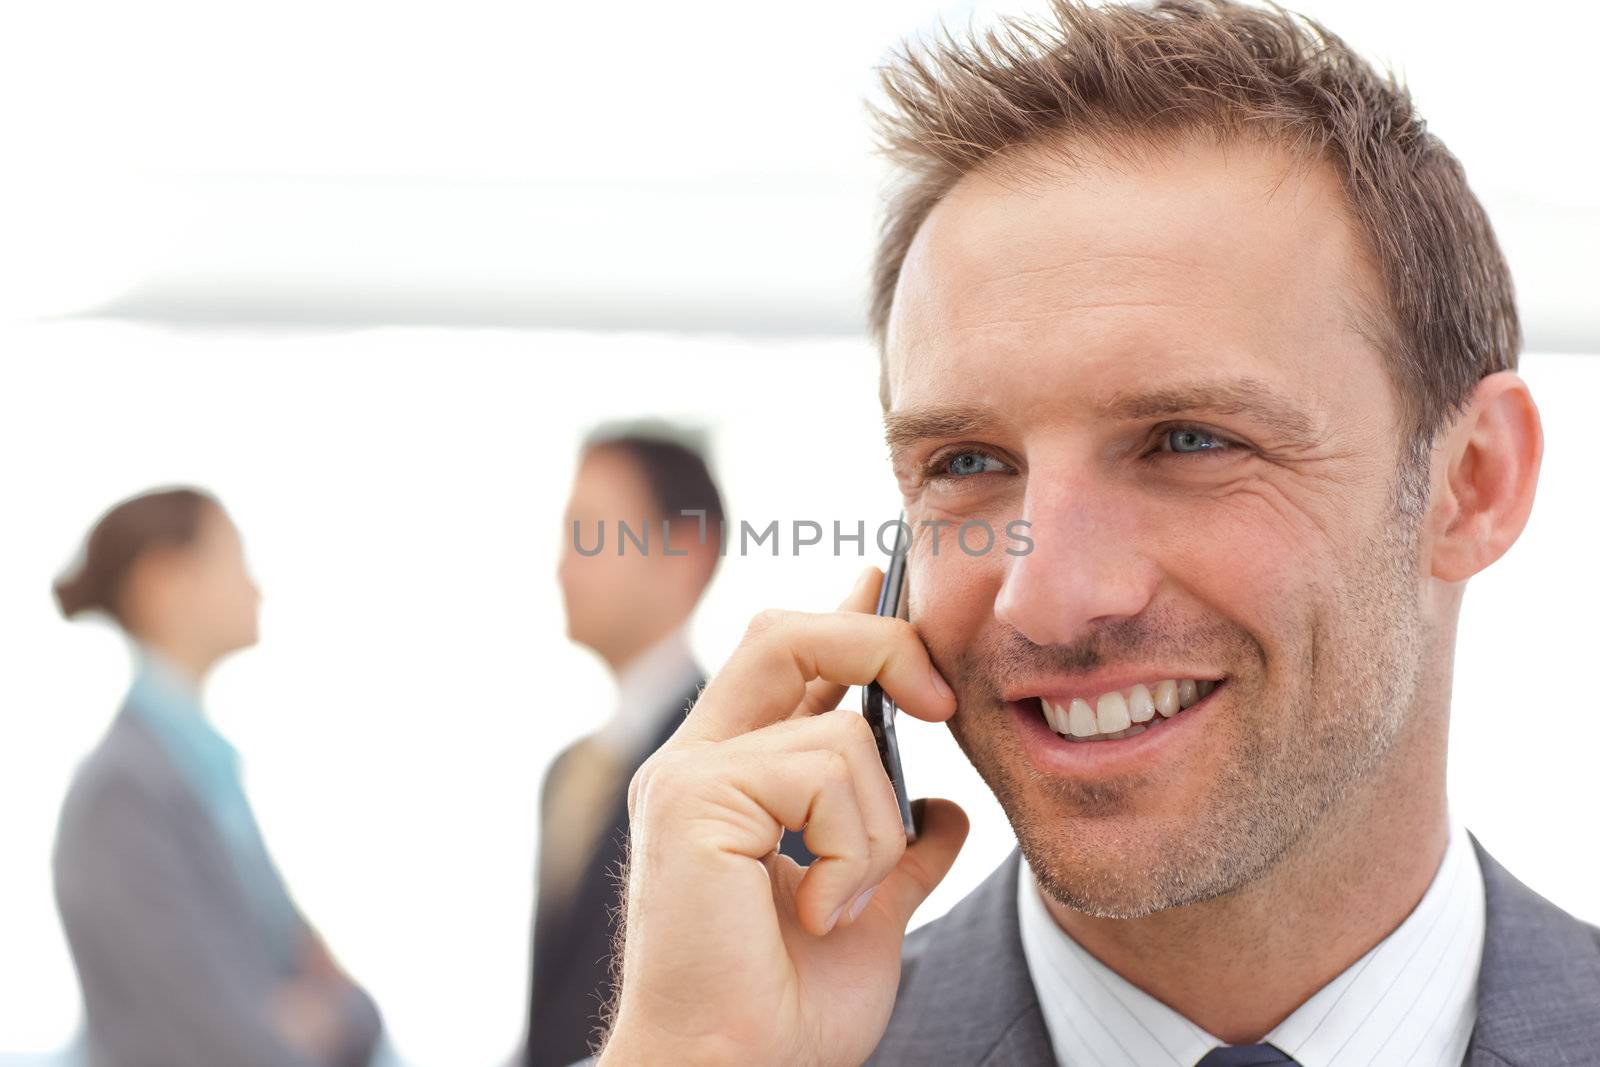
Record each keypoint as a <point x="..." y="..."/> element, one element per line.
<point x="1298" y="748"/>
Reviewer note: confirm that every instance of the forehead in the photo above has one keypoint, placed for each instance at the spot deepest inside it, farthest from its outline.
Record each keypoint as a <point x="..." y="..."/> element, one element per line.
<point x="1108" y="272"/>
<point x="216" y="525"/>
<point x="610" y="482"/>
<point x="216" y="536"/>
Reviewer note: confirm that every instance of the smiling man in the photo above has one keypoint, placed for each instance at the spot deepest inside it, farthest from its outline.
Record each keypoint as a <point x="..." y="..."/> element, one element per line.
<point x="1191" y="290"/>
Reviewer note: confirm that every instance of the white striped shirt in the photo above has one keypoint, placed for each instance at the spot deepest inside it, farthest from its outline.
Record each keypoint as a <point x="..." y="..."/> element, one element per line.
<point x="1409" y="1002"/>
<point x="646" y="685"/>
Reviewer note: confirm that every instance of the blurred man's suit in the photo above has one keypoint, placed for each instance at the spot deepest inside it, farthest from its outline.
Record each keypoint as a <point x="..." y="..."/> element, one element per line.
<point x="578" y="865"/>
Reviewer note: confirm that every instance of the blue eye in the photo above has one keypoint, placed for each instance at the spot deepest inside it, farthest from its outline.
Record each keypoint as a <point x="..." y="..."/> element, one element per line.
<point x="965" y="464"/>
<point x="1188" y="440"/>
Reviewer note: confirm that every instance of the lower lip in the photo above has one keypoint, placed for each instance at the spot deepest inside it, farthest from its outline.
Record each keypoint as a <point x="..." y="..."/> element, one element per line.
<point x="1052" y="754"/>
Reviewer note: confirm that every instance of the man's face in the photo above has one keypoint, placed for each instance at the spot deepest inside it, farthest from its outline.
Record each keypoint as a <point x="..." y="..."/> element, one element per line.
<point x="1156" y="366"/>
<point x="608" y="594"/>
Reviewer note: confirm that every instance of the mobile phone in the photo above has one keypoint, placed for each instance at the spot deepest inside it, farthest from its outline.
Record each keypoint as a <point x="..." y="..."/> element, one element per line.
<point x="877" y="707"/>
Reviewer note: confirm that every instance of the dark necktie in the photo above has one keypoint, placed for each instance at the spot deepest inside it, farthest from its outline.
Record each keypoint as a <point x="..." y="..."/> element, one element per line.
<point x="1246" y="1056"/>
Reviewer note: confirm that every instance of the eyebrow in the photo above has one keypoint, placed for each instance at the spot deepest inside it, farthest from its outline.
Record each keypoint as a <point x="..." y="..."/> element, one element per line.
<point x="1239" y="396"/>
<point x="901" y="430"/>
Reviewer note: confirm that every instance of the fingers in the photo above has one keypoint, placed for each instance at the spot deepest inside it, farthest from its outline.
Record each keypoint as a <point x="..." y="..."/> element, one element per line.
<point x="863" y="595"/>
<point x="835" y="832"/>
<point x="740" y="768"/>
<point x="821" y="775"/>
<point x="848" y="864"/>
<point x="824" y="694"/>
<point x="941" y="833"/>
<point x="766" y="678"/>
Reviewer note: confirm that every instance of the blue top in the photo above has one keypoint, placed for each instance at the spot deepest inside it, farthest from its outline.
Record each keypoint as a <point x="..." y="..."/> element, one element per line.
<point x="168" y="704"/>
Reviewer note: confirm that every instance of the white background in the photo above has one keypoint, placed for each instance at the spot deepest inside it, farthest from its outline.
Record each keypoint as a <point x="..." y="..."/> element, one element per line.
<point x="633" y="163"/>
<point x="400" y="494"/>
<point x="216" y="216"/>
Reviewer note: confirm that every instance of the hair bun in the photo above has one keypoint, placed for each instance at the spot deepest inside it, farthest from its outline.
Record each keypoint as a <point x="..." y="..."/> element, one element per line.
<point x="74" y="597"/>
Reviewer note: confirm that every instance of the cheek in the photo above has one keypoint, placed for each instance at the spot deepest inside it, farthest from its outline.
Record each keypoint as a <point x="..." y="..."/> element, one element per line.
<point x="241" y="596"/>
<point x="596" y="576"/>
<point x="219" y="596"/>
<point x="1255" y="562"/>
<point x="952" y="598"/>
<point x="1251" y="544"/>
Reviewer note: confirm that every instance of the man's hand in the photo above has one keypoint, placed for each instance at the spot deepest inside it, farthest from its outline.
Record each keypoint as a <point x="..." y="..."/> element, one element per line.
<point x="732" y="953"/>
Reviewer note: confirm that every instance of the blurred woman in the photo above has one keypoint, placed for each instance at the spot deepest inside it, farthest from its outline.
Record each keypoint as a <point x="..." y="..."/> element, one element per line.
<point x="188" y="947"/>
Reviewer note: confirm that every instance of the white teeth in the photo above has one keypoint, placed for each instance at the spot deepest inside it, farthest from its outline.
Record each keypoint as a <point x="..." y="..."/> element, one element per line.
<point x="1112" y="713"/>
<point x="1056" y="716"/>
<point x="1115" y="714"/>
<point x="1081" y="718"/>
<point x="1140" y="706"/>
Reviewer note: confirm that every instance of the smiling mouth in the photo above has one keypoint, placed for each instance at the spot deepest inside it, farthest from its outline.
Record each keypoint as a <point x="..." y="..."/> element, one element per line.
<point x="1122" y="712"/>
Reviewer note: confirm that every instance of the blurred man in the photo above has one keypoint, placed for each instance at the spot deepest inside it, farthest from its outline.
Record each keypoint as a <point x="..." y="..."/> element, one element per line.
<point x="1193" y="290"/>
<point x="641" y="537"/>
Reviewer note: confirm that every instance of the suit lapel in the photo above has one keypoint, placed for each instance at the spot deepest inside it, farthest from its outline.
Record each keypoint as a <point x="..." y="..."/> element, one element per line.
<point x="965" y="993"/>
<point x="966" y="996"/>
<point x="1539" y="987"/>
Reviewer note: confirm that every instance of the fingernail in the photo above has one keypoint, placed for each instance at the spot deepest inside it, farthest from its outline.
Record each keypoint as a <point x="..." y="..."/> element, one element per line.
<point x="939" y="683"/>
<point x="860" y="903"/>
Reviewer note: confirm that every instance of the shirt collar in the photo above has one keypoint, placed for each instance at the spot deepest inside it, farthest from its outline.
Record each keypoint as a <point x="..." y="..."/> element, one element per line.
<point x="1412" y="995"/>
<point x="168" y="702"/>
<point x="160" y="684"/>
<point x="646" y="686"/>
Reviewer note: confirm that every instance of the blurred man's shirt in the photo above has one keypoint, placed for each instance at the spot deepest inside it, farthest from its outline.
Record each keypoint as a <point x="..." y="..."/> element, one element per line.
<point x="644" y="687"/>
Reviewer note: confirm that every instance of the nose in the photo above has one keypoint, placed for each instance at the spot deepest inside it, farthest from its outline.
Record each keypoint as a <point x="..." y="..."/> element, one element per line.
<point x="1086" y="567"/>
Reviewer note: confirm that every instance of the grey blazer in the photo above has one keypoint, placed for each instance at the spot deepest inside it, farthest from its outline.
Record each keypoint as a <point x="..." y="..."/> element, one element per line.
<point x="966" y="998"/>
<point x="173" y="971"/>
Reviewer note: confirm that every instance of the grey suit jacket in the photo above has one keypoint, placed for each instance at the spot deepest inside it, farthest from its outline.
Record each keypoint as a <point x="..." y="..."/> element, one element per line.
<point x="966" y="998"/>
<point x="173" y="970"/>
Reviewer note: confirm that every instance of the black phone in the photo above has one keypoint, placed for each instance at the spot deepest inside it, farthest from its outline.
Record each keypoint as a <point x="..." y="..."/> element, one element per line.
<point x="877" y="707"/>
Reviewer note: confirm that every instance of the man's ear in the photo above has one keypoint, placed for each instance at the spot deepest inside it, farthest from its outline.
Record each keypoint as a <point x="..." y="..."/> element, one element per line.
<point x="1490" y="467"/>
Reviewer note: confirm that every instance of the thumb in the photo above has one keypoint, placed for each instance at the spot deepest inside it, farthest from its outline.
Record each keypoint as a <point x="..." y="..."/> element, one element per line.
<point x="942" y="831"/>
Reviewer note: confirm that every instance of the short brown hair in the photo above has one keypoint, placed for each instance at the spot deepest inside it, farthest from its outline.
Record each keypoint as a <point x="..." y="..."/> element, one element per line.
<point x="1122" y="74"/>
<point x="672" y="459"/>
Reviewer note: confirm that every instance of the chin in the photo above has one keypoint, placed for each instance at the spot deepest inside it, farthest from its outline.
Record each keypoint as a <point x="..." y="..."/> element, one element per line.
<point x="1127" y="861"/>
<point x="1106" y="868"/>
